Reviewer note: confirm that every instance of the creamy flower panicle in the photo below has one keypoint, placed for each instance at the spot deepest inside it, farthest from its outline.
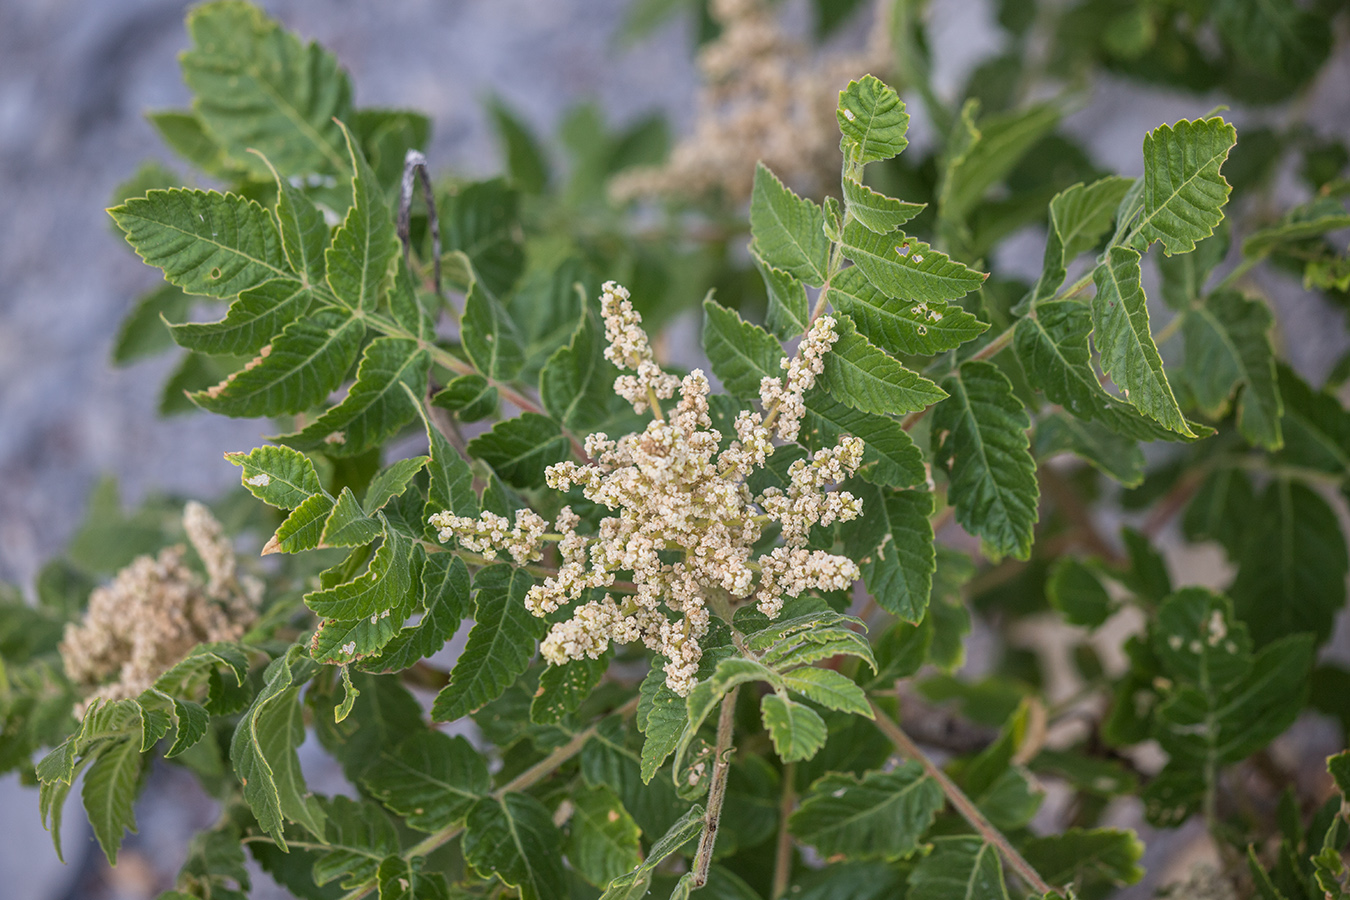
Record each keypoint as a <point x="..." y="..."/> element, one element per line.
<point x="684" y="520"/>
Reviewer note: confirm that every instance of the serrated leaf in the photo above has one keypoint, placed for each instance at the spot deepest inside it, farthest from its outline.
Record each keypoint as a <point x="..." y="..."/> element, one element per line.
<point x="662" y="717"/>
<point x="1293" y="565"/>
<point x="376" y="407"/>
<point x="563" y="688"/>
<point x="797" y="730"/>
<point x="862" y="375"/>
<point x="481" y="221"/>
<point x="469" y="397"/>
<point x="515" y="839"/>
<point x="635" y="884"/>
<point x="303" y="528"/>
<point x="1184" y="193"/>
<point x="403" y="879"/>
<point x="383" y="587"/>
<point x="143" y="332"/>
<point x="451" y="479"/>
<point x="907" y="268"/>
<point x="358" y="836"/>
<point x="576" y="385"/>
<point x="980" y="432"/>
<point x="901" y="326"/>
<point x="296" y="371"/>
<point x="890" y="456"/>
<point x="430" y="779"/>
<point x="520" y="449"/>
<point x="1316" y="427"/>
<point x="206" y="242"/>
<point x="787" y="230"/>
<point x="500" y="643"/>
<point x="1312" y="219"/>
<point x="251" y="321"/>
<point x="192" y="722"/>
<point x="391" y="482"/>
<point x="256" y="86"/>
<point x="446" y="596"/>
<point x="1112" y="453"/>
<point x="741" y="352"/>
<point x="186" y="135"/>
<point x="490" y="336"/>
<point x="348" y="525"/>
<point x="991" y="151"/>
<point x="893" y="544"/>
<point x="872" y="119"/>
<point x="881" y="816"/>
<point x="192" y="671"/>
<point x="1121" y="332"/>
<point x="264" y="744"/>
<point x="1228" y="347"/>
<point x="810" y="638"/>
<point x="602" y="837"/>
<point x="1081" y="854"/>
<point x="278" y="476"/>
<point x="109" y="793"/>
<point x="959" y="868"/>
<point x="364" y="246"/>
<point x="876" y="211"/>
<point x="1075" y="591"/>
<point x="304" y="231"/>
<point x="828" y="688"/>
<point x="1079" y="216"/>
<point x="788" y="314"/>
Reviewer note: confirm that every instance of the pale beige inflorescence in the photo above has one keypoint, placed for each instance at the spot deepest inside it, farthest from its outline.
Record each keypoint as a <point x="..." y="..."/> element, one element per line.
<point x="684" y="521"/>
<point x="156" y="610"/>
<point x="763" y="98"/>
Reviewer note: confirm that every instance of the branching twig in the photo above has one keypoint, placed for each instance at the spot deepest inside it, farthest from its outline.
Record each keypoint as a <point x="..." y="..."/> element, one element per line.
<point x="960" y="801"/>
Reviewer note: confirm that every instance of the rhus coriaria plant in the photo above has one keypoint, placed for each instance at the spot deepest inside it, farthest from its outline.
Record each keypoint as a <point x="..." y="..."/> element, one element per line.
<point x="712" y="613"/>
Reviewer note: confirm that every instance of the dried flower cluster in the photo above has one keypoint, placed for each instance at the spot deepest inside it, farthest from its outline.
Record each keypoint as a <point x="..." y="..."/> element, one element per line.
<point x="156" y="610"/>
<point x="762" y="99"/>
<point x="685" y="520"/>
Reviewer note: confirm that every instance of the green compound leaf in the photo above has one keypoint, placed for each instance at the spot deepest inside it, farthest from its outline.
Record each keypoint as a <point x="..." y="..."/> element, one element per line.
<point x="862" y="375"/>
<point x="490" y="336"/>
<point x="403" y="879"/>
<point x="892" y="542"/>
<point x="251" y="321"/>
<point x="741" y="352"/>
<point x="383" y="587"/>
<point x="787" y="230"/>
<point x="993" y="475"/>
<point x="831" y="689"/>
<point x="1228" y="347"/>
<point x="1292" y="566"/>
<point x="901" y="326"/>
<point x="303" y="528"/>
<point x="890" y="456"/>
<point x="959" y="868"/>
<point x="430" y="779"/>
<point x="295" y="372"/>
<point x="109" y="793"/>
<point x="446" y="598"/>
<point x="264" y="744"/>
<point x="877" y="212"/>
<point x="257" y="87"/>
<point x="1079" y="217"/>
<point x="882" y="816"/>
<point x="348" y="525"/>
<point x="906" y="268"/>
<point x="377" y="405"/>
<point x="515" y="839"/>
<point x="636" y="884"/>
<point x="206" y="243"/>
<point x="1184" y="193"/>
<point x="603" y="840"/>
<point x="576" y="385"/>
<point x="278" y="476"/>
<point x="788" y="314"/>
<point x="797" y="730"/>
<point x="1121" y="332"/>
<point x="365" y="246"/>
<point x="500" y="643"/>
<point x="521" y="449"/>
<point x="873" y="120"/>
<point x="1112" y="453"/>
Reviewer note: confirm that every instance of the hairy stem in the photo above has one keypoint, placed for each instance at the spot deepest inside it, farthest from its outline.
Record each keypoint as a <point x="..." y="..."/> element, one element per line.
<point x="534" y="774"/>
<point x="717" y="790"/>
<point x="959" y="801"/>
<point x="782" y="861"/>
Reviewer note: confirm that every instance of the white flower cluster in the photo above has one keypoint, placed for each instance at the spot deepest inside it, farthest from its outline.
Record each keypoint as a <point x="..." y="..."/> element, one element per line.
<point x="490" y="532"/>
<point x="685" y="520"/>
<point x="156" y="610"/>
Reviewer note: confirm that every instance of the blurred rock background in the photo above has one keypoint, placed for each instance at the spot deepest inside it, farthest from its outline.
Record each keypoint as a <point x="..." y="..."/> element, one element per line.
<point x="75" y="78"/>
